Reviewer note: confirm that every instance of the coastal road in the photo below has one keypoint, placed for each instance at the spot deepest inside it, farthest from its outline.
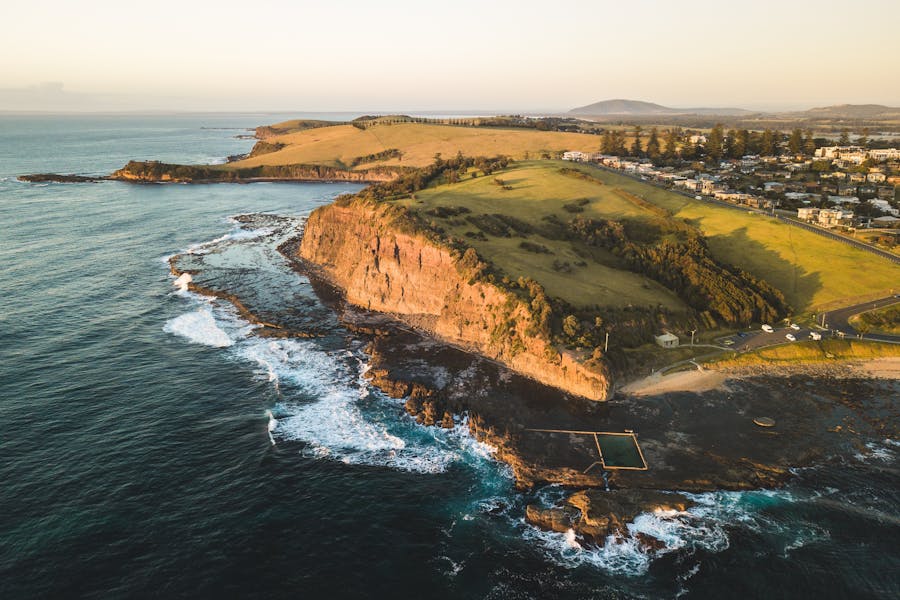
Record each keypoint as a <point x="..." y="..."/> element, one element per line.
<point x="835" y="320"/>
<point x="840" y="319"/>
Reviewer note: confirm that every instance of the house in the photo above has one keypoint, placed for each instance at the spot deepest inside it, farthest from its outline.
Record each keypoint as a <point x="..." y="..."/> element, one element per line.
<point x="876" y="177"/>
<point x="885" y="193"/>
<point x="885" y="221"/>
<point x="885" y="207"/>
<point x="697" y="139"/>
<point x="883" y="154"/>
<point x="808" y="214"/>
<point x="666" y="340"/>
<point x="801" y="197"/>
<point x="708" y="186"/>
<point x="842" y="199"/>
<point x="576" y="156"/>
<point x="831" y="217"/>
<point x="773" y="186"/>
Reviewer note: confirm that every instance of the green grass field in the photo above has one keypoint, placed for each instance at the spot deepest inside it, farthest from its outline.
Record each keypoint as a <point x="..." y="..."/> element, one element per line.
<point x="538" y="190"/>
<point x="809" y="269"/>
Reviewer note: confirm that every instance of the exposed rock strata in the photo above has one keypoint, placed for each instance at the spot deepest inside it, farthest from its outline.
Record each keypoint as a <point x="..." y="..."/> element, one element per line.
<point x="367" y="251"/>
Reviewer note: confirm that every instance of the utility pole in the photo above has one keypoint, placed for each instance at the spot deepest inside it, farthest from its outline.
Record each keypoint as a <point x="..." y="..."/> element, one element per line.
<point x="606" y="343"/>
<point x="693" y="331"/>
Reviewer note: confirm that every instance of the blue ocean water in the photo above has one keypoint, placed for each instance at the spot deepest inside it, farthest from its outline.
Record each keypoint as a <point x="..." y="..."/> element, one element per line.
<point x="135" y="458"/>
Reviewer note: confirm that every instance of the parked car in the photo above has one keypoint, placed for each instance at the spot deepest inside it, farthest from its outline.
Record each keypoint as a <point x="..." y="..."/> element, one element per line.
<point x="767" y="328"/>
<point x="728" y="342"/>
<point x="795" y="327"/>
<point x="790" y="337"/>
<point x="741" y="334"/>
<point x="815" y="336"/>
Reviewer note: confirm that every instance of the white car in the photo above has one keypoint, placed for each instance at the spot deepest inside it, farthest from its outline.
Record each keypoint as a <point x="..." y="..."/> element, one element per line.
<point x="790" y="337"/>
<point x="767" y="328"/>
<point x="815" y="336"/>
<point x="795" y="327"/>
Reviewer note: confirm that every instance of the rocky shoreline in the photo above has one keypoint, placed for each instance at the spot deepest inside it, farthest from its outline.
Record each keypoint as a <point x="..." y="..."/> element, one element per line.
<point x="693" y="441"/>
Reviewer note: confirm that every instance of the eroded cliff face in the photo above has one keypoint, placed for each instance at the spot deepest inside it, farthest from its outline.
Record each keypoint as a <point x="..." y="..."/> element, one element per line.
<point x="364" y="249"/>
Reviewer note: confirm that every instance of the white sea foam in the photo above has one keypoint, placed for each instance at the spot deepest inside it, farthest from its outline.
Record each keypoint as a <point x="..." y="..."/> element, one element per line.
<point x="237" y="234"/>
<point x="199" y="327"/>
<point x="328" y="405"/>
<point x="884" y="451"/>
<point x="183" y="281"/>
<point x="702" y="527"/>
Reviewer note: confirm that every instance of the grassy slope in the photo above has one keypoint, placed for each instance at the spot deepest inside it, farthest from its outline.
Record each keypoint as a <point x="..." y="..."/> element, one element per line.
<point x="538" y="190"/>
<point x="340" y="144"/>
<point x="809" y="269"/>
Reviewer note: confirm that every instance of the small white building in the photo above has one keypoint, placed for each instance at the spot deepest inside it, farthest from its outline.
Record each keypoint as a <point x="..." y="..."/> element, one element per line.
<point x="666" y="340"/>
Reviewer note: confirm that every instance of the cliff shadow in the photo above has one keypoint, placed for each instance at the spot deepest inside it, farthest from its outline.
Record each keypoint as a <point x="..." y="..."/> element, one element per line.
<point x="798" y="285"/>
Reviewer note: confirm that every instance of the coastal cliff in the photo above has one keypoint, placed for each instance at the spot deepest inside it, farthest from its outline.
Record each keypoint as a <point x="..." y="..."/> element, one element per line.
<point x="382" y="263"/>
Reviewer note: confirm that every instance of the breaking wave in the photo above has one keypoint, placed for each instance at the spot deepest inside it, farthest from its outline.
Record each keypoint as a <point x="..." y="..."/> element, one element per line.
<point x="704" y="528"/>
<point x="325" y="403"/>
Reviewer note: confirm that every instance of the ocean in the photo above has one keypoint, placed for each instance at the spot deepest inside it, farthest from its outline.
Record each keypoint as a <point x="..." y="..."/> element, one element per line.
<point x="135" y="452"/>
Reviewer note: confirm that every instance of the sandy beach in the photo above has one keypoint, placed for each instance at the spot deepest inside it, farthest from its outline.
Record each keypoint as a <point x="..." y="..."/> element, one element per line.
<point x="710" y="378"/>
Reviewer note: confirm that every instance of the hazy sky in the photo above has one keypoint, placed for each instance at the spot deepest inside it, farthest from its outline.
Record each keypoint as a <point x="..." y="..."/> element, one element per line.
<point x="380" y="55"/>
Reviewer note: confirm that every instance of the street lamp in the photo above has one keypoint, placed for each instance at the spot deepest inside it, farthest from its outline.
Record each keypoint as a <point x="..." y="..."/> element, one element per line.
<point x="693" y="331"/>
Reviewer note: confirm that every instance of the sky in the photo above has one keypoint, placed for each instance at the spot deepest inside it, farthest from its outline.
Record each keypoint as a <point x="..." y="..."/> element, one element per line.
<point x="500" y="55"/>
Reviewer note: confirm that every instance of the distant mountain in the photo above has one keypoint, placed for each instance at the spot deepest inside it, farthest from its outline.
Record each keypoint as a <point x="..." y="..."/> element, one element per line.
<point x="638" y="107"/>
<point x="853" y="111"/>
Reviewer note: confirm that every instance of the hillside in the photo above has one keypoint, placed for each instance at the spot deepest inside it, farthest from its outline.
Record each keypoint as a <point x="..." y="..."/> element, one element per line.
<point x="640" y="108"/>
<point x="406" y="144"/>
<point x="854" y="111"/>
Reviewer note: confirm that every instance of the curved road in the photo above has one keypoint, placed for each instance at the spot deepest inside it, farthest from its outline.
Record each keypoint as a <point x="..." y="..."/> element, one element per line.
<point x="840" y="319"/>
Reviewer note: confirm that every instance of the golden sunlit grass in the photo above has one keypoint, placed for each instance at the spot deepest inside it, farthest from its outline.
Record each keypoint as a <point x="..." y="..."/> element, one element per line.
<point x="338" y="145"/>
<point x="810" y="269"/>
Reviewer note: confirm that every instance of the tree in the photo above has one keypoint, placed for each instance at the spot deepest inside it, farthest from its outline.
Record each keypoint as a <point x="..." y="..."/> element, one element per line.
<point x="671" y="138"/>
<point x="741" y="145"/>
<point x="863" y="140"/>
<point x="715" y="143"/>
<point x="619" y="143"/>
<point x="636" y="149"/>
<point x="689" y="150"/>
<point x="571" y="326"/>
<point x="767" y="143"/>
<point x="606" y="143"/>
<point x="653" y="150"/>
<point x="809" y="144"/>
<point x="844" y="140"/>
<point x="795" y="143"/>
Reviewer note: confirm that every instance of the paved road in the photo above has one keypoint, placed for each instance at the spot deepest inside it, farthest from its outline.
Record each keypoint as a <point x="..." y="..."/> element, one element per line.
<point x="836" y="320"/>
<point x="785" y="219"/>
<point x="839" y="319"/>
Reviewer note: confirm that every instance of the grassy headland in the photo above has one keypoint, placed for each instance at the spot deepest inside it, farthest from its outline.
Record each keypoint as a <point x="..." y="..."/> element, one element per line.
<point x="592" y="251"/>
<point x="408" y="144"/>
